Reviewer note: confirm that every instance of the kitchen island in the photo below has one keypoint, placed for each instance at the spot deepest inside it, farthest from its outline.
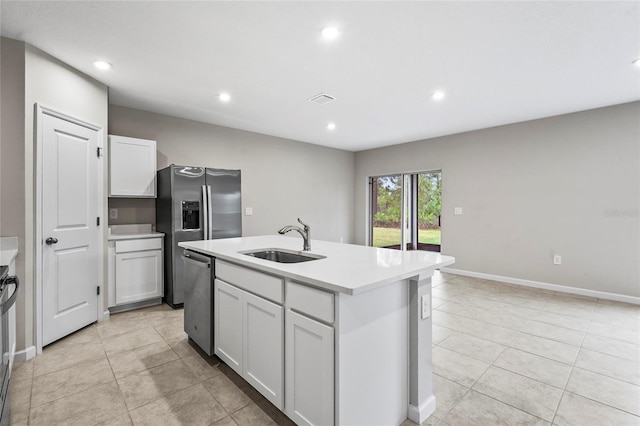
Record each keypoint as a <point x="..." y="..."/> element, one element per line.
<point x="344" y="340"/>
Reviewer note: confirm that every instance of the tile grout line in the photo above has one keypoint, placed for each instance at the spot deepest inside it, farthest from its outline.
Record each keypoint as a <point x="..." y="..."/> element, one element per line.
<point x="131" y="350"/>
<point x="583" y="334"/>
<point x="564" y="390"/>
<point x="492" y="364"/>
<point x="579" y="368"/>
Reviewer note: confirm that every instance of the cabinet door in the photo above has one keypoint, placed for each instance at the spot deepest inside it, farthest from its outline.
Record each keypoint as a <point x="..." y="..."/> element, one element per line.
<point x="309" y="371"/>
<point x="138" y="276"/>
<point x="228" y="324"/>
<point x="132" y="167"/>
<point x="263" y="347"/>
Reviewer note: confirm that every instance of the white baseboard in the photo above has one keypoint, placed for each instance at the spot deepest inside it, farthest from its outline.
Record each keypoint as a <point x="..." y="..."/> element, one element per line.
<point x="547" y="286"/>
<point x="25" y="354"/>
<point x="30" y="352"/>
<point x="421" y="413"/>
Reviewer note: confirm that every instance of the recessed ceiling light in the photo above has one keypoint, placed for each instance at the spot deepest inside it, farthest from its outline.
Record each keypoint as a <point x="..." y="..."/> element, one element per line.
<point x="331" y="126"/>
<point x="636" y="63"/>
<point x="438" y="95"/>
<point x="102" y="65"/>
<point x="224" y="97"/>
<point x="330" y="33"/>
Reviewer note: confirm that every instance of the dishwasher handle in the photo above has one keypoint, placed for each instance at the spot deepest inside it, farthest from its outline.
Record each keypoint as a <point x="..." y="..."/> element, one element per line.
<point x="188" y="256"/>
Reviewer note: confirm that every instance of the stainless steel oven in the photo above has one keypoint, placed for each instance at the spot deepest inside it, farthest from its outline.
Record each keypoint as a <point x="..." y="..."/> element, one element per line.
<point x="8" y="293"/>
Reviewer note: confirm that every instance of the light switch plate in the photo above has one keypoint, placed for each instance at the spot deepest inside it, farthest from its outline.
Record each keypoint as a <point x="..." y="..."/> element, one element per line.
<point x="457" y="210"/>
<point x="248" y="211"/>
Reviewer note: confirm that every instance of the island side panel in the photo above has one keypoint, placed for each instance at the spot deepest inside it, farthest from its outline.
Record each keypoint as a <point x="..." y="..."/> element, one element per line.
<point x="422" y="402"/>
<point x="372" y="356"/>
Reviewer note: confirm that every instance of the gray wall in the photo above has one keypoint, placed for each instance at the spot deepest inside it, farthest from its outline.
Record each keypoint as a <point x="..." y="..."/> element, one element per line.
<point x="281" y="179"/>
<point x="133" y="210"/>
<point x="568" y="185"/>
<point x="58" y="86"/>
<point x="12" y="193"/>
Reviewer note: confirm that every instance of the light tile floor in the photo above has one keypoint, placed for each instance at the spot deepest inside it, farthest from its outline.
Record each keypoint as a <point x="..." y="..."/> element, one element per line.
<point x="507" y="354"/>
<point x="137" y="368"/>
<point x="503" y="354"/>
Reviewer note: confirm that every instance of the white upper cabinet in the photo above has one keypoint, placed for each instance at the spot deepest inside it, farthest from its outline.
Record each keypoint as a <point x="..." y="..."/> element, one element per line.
<point x="132" y="167"/>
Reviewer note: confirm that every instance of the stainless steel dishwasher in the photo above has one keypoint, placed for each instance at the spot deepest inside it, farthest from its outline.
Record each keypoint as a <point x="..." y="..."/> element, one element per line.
<point x="198" y="299"/>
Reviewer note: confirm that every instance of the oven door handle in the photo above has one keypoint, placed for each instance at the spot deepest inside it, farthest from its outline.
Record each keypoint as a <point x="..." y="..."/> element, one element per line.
<point x="4" y="308"/>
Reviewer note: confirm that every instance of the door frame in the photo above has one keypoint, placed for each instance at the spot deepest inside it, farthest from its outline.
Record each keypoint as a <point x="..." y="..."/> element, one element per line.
<point x="40" y="112"/>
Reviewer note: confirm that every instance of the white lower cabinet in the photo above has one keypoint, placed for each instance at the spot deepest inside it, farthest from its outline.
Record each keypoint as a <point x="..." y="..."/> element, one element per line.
<point x="142" y="274"/>
<point x="138" y="270"/>
<point x="228" y="324"/>
<point x="309" y="370"/>
<point x="288" y="357"/>
<point x="249" y="338"/>
<point x="263" y="346"/>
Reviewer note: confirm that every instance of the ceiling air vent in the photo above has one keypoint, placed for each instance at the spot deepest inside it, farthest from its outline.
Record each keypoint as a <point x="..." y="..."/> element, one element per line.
<point x="321" y="99"/>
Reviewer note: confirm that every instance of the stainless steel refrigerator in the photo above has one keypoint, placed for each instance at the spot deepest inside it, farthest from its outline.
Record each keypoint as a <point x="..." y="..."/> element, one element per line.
<point x="194" y="203"/>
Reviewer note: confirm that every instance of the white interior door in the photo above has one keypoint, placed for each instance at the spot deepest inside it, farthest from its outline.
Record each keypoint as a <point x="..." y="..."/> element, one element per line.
<point x="70" y="233"/>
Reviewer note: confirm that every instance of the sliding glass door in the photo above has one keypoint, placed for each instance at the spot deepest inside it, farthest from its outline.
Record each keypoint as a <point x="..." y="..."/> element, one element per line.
<point x="386" y="211"/>
<point x="429" y="193"/>
<point x="405" y="211"/>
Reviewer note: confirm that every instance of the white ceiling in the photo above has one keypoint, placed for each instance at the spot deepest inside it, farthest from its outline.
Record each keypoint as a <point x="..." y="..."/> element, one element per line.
<point x="498" y="62"/>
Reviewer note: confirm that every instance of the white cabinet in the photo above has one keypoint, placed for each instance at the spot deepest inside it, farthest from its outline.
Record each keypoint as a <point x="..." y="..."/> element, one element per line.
<point x="132" y="167"/>
<point x="263" y="347"/>
<point x="249" y="330"/>
<point x="136" y="266"/>
<point x="254" y="338"/>
<point x="228" y="324"/>
<point x="309" y="355"/>
<point x="309" y="369"/>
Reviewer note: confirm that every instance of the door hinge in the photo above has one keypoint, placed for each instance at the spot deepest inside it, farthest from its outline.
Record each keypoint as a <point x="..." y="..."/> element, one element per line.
<point x="98" y="221"/>
<point x="98" y="290"/>
<point x="99" y="152"/>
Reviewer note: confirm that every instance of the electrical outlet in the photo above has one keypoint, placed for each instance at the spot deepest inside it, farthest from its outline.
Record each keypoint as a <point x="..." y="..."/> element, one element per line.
<point x="457" y="211"/>
<point x="426" y="306"/>
<point x="248" y="211"/>
<point x="557" y="259"/>
<point x="113" y="213"/>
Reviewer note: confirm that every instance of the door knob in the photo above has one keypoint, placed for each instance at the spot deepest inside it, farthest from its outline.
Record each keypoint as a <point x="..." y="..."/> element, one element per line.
<point x="51" y="240"/>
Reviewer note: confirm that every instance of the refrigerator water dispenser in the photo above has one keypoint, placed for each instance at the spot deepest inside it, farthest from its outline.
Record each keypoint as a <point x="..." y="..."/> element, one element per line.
<point x="191" y="215"/>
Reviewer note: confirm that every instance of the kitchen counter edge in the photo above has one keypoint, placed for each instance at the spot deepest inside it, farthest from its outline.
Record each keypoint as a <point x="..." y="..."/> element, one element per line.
<point x="121" y="237"/>
<point x="285" y="270"/>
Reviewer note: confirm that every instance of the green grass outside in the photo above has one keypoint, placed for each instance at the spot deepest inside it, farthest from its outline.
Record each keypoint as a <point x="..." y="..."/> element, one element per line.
<point x="390" y="236"/>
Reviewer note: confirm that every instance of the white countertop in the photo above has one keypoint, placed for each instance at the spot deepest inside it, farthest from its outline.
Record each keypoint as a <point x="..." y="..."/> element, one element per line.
<point x="8" y="249"/>
<point x="118" y="237"/>
<point x="348" y="268"/>
<point x="132" y="232"/>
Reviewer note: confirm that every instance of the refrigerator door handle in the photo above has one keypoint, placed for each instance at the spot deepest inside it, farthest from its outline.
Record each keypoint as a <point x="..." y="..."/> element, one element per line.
<point x="210" y="214"/>
<point x="205" y="211"/>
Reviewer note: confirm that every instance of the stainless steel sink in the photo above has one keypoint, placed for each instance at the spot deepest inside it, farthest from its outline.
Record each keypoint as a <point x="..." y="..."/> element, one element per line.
<point x="282" y="255"/>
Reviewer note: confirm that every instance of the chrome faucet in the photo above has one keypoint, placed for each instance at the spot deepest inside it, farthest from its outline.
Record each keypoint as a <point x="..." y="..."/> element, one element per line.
<point x="304" y="232"/>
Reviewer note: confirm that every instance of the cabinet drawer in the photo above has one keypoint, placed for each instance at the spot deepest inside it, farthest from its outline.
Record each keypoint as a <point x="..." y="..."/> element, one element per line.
<point x="310" y="301"/>
<point x="138" y="245"/>
<point x="256" y="282"/>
